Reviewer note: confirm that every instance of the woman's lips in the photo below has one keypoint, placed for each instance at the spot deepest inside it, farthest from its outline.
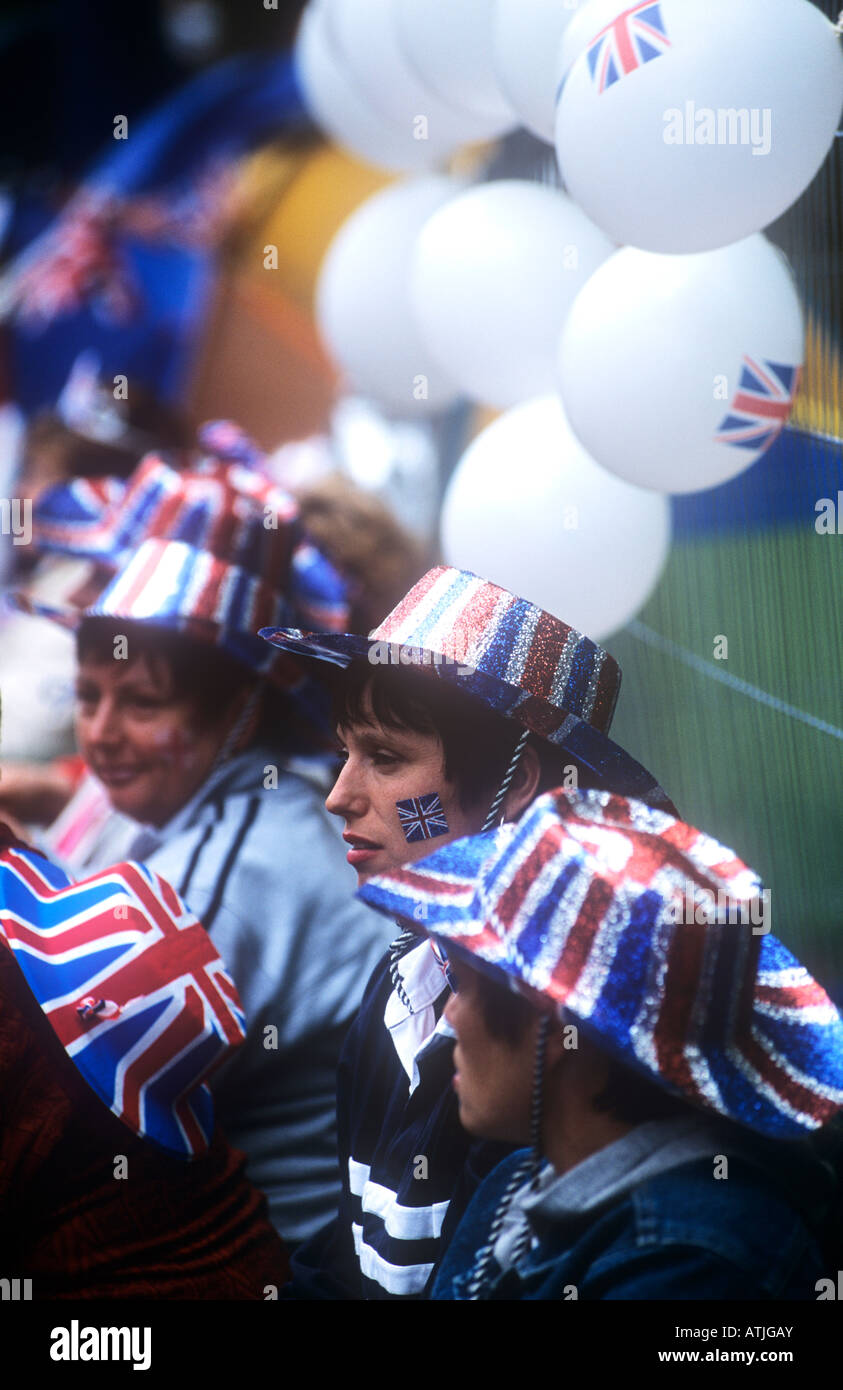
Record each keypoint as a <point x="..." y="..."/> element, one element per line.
<point x="117" y="776"/>
<point x="356" y="857"/>
<point x="361" y="850"/>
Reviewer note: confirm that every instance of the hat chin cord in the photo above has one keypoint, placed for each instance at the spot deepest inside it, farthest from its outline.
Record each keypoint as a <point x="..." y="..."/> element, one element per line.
<point x="500" y="796"/>
<point x="406" y="940"/>
<point x="531" y="1167"/>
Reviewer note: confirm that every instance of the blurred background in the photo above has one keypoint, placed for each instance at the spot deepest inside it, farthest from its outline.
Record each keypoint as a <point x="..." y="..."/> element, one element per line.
<point x="166" y="282"/>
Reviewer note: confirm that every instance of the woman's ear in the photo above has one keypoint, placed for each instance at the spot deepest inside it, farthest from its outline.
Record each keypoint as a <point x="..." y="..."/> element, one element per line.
<point x="525" y="784"/>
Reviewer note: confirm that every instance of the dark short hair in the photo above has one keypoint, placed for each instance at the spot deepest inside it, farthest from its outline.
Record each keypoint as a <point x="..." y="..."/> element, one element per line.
<point x="634" y="1100"/>
<point x="197" y="671"/>
<point x="205" y="675"/>
<point x="477" y="742"/>
<point x="627" y="1096"/>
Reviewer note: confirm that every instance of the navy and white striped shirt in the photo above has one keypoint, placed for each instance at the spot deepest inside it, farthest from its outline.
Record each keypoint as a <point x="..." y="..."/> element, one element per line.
<point x="408" y="1166"/>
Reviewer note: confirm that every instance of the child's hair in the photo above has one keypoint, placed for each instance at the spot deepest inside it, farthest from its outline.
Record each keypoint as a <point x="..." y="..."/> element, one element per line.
<point x="627" y="1096"/>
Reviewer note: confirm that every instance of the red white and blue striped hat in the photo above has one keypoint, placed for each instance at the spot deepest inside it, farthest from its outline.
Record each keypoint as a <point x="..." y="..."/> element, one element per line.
<point x="132" y="986"/>
<point x="219" y="505"/>
<point x="171" y="584"/>
<point x="105" y="519"/>
<point x="215" y="552"/>
<point x="584" y="904"/>
<point x="519" y="660"/>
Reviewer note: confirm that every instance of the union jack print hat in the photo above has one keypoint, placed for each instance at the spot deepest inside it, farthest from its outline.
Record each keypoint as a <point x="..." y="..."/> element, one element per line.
<point x="519" y="660"/>
<point x="131" y="985"/>
<point x="215" y="552"/>
<point x="651" y="936"/>
<point x="67" y="518"/>
<point x="220" y="505"/>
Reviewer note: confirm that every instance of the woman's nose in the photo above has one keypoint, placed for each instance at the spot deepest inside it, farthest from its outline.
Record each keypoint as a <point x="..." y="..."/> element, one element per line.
<point x="102" y="724"/>
<point x="346" y="797"/>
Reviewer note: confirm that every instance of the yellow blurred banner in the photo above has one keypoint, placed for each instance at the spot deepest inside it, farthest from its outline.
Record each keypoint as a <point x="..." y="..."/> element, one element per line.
<point x="818" y="402"/>
<point x="299" y="202"/>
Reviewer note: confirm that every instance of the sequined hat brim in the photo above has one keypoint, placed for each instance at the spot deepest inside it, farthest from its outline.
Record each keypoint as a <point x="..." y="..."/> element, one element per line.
<point x="615" y="768"/>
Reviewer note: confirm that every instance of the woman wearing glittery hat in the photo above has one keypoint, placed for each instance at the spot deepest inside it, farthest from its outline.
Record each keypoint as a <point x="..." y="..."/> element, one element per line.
<point x="453" y="713"/>
<point x="657" y="1058"/>
<point x="213" y="744"/>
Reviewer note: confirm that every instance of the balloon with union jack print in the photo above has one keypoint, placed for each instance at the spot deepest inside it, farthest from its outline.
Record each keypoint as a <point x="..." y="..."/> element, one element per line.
<point x="700" y="357"/>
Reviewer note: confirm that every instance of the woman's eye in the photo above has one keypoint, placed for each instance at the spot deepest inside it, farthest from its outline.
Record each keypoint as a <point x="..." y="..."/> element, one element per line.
<point x="144" y="703"/>
<point x="384" y="759"/>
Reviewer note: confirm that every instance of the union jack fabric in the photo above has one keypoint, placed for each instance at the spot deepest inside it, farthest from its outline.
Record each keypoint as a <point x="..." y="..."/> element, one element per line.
<point x="422" y="817"/>
<point x="81" y="260"/>
<point x="132" y="987"/>
<point x="635" y="37"/>
<point x="761" y="405"/>
<point x="224" y="439"/>
<point x="225" y="507"/>
<point x="69" y="516"/>
<point x="216" y="507"/>
<point x="575" y="904"/>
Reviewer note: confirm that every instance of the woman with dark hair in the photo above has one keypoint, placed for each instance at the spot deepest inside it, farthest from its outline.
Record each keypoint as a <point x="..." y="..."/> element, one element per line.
<point x="463" y="704"/>
<point x="210" y="741"/>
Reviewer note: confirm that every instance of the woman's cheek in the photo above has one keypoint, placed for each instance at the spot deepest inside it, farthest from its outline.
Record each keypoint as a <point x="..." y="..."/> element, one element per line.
<point x="174" y="744"/>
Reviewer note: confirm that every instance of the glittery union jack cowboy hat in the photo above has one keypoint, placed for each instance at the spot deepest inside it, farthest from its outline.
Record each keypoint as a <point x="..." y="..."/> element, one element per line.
<point x="67" y="518"/>
<point x="582" y="905"/>
<point x="132" y="987"/>
<point x="215" y="552"/>
<point x="217" y="505"/>
<point x="519" y="660"/>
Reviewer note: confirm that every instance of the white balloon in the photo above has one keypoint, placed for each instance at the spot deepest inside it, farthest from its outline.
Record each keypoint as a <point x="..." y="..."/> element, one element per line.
<point x="528" y="509"/>
<point x="589" y="18"/>
<point x="449" y="44"/>
<point x="494" y="274"/>
<point x="689" y="124"/>
<point x="363" y="302"/>
<point x="677" y="372"/>
<point x="343" y="111"/>
<point x="526" y="36"/>
<point x="366" y="34"/>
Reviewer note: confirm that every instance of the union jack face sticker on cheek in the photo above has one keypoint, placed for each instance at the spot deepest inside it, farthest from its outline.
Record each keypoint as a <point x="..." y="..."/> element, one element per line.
<point x="422" y="817"/>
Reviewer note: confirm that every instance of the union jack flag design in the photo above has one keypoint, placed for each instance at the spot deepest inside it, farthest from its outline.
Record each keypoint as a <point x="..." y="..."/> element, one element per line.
<point x="69" y="516"/>
<point x="761" y="405"/>
<point x="83" y="259"/>
<point x="132" y="987"/>
<point x="633" y="38"/>
<point x="580" y="901"/>
<point x="80" y="261"/>
<point x="422" y="817"/>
